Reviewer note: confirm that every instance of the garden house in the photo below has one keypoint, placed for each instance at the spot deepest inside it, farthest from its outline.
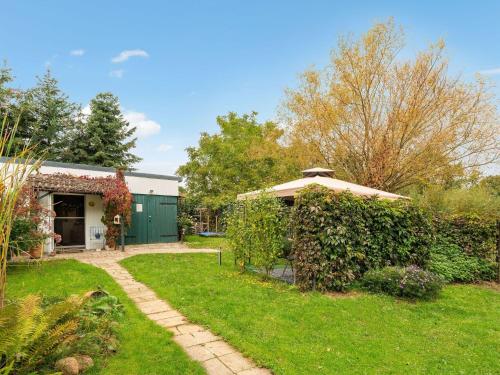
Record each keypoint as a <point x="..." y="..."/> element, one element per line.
<point x="323" y="177"/>
<point x="69" y="191"/>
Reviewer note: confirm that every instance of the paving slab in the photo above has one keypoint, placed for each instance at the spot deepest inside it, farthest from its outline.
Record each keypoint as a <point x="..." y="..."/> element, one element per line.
<point x="215" y="367"/>
<point x="219" y="348"/>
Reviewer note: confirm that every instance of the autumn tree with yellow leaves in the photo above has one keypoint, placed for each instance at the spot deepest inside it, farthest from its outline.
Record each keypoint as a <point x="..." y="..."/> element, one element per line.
<point x="390" y="123"/>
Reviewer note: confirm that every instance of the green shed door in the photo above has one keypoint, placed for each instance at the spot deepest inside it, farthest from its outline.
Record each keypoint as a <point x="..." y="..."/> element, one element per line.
<point x="154" y="220"/>
<point x="162" y="219"/>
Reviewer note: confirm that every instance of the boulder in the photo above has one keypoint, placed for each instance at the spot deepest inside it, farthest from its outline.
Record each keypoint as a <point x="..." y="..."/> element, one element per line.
<point x="84" y="362"/>
<point x="68" y="366"/>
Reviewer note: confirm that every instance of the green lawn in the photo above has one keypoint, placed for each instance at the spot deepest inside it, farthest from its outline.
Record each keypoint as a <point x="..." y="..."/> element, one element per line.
<point x="199" y="242"/>
<point x="145" y="348"/>
<point x="295" y="333"/>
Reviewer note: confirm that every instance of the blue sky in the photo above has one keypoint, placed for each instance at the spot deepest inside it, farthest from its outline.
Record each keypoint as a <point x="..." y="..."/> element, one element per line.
<point x="194" y="60"/>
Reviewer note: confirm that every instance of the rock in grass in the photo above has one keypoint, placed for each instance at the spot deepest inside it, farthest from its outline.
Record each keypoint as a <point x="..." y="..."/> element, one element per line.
<point x="84" y="362"/>
<point x="68" y="366"/>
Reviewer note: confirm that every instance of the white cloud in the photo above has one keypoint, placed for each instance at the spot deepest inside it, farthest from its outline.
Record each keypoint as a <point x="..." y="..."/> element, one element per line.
<point x="77" y="52"/>
<point x="117" y="73"/>
<point x="145" y="126"/>
<point x="490" y="72"/>
<point x="127" y="54"/>
<point x="163" y="147"/>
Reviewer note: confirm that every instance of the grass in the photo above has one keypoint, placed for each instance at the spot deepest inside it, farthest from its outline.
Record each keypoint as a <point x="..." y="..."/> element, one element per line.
<point x="145" y="348"/>
<point x="199" y="242"/>
<point x="310" y="333"/>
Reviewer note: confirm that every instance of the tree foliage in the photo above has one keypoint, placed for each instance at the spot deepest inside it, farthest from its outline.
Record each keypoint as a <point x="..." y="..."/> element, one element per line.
<point x="244" y="156"/>
<point x="46" y="116"/>
<point x="388" y="123"/>
<point x="104" y="137"/>
<point x="56" y="128"/>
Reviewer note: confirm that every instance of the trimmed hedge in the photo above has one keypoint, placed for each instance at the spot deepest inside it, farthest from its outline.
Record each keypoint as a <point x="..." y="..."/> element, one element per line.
<point x="338" y="236"/>
<point x="409" y="282"/>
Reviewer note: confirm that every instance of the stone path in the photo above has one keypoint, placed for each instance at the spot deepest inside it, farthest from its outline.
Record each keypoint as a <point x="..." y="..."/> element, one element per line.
<point x="218" y="357"/>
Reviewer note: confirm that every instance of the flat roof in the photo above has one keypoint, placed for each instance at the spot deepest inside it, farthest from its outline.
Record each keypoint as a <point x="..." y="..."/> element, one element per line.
<point x="89" y="167"/>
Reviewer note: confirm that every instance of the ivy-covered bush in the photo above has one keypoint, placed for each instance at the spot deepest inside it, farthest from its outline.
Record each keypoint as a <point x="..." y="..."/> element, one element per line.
<point x="338" y="236"/>
<point x="256" y="231"/>
<point x="409" y="282"/>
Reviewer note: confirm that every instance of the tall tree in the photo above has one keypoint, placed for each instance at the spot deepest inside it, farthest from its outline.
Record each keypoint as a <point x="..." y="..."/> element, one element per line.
<point x="104" y="137"/>
<point x="10" y="110"/>
<point x="244" y="156"/>
<point x="46" y="116"/>
<point x="388" y="123"/>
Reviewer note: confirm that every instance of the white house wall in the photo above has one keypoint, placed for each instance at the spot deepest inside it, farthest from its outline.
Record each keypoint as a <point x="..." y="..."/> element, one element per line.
<point x="154" y="186"/>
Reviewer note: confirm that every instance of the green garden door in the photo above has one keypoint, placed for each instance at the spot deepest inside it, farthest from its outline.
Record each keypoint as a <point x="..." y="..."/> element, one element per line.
<point x="154" y="220"/>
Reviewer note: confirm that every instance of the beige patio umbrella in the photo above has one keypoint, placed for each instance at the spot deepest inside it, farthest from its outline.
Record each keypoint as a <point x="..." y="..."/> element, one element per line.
<point x="323" y="177"/>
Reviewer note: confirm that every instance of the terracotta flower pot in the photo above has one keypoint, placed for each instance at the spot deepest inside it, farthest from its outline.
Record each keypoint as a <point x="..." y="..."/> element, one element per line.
<point x="37" y="251"/>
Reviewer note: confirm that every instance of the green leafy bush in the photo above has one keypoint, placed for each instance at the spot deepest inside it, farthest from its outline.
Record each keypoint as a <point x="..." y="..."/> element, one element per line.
<point x="453" y="264"/>
<point x="256" y="231"/>
<point x="474" y="234"/>
<point x="409" y="282"/>
<point x="185" y="225"/>
<point x="338" y="236"/>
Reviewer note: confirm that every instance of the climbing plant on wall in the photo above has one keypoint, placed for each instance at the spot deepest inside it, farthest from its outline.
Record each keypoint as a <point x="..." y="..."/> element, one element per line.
<point x="117" y="200"/>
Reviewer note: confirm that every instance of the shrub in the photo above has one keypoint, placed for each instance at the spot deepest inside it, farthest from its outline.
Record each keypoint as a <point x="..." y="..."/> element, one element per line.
<point x="474" y="234"/>
<point x="185" y="225"/>
<point x="256" y="231"/>
<point x="338" y="236"/>
<point x="409" y="282"/>
<point x="453" y="264"/>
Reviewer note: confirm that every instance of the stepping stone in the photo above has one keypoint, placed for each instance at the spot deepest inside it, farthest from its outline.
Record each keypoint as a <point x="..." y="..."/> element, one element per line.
<point x="196" y="338"/>
<point x="236" y="362"/>
<point x="219" y="348"/>
<point x="199" y="353"/>
<point x="189" y="328"/>
<point x="145" y="297"/>
<point x="255" y="371"/>
<point x="164" y="315"/>
<point x="152" y="307"/>
<point x="216" y="367"/>
<point x="172" y="322"/>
